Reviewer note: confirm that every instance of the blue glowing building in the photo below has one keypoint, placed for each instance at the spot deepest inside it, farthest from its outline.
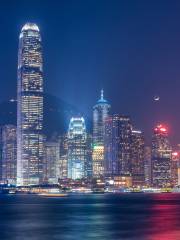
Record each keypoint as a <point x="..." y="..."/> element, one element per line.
<point x="100" y="114"/>
<point x="77" y="148"/>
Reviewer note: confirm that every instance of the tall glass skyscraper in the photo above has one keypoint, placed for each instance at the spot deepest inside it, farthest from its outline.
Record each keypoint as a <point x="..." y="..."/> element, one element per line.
<point x="51" y="160"/>
<point x="137" y="158"/>
<point x="118" y="134"/>
<point x="161" y="157"/>
<point x="100" y="114"/>
<point x="147" y="165"/>
<point x="30" y="107"/>
<point x="77" y="148"/>
<point x="62" y="169"/>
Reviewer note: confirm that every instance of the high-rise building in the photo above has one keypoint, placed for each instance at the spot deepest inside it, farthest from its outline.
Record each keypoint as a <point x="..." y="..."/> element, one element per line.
<point x="88" y="163"/>
<point x="178" y="165"/>
<point x="77" y="153"/>
<point x="8" y="154"/>
<point x="30" y="107"/>
<point x="51" y="159"/>
<point x="147" y="165"/>
<point x="161" y="157"/>
<point x="111" y="144"/>
<point x="1" y="155"/>
<point x="100" y="114"/>
<point x="63" y="158"/>
<point x="137" y="158"/>
<point x="118" y="131"/>
<point x="175" y="162"/>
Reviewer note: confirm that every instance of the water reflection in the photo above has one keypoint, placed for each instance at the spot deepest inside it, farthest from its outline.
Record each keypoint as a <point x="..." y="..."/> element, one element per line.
<point x="164" y="222"/>
<point x="100" y="217"/>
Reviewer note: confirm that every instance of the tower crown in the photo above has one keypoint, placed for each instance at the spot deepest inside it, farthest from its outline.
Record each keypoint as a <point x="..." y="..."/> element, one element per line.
<point x="102" y="100"/>
<point x="160" y="129"/>
<point x="30" y="26"/>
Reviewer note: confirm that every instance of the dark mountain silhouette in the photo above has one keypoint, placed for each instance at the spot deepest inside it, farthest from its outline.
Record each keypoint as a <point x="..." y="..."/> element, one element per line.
<point x="57" y="114"/>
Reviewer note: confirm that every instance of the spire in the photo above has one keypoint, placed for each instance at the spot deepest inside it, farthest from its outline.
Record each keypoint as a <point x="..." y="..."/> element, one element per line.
<point x="102" y="94"/>
<point x="102" y="100"/>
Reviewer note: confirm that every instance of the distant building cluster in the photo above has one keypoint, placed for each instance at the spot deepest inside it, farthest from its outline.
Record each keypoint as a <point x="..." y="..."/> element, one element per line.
<point x="115" y="151"/>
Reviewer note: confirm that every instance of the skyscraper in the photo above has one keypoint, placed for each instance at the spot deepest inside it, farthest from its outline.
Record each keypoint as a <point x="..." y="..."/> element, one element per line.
<point x="1" y="181"/>
<point x="77" y="148"/>
<point x="100" y="114"/>
<point x="137" y="158"/>
<point x="51" y="160"/>
<point x="118" y="132"/>
<point x="30" y="107"/>
<point x="161" y="157"/>
<point x="9" y="154"/>
<point x="147" y="165"/>
<point x="174" y="168"/>
<point x="88" y="164"/>
<point x="63" y="159"/>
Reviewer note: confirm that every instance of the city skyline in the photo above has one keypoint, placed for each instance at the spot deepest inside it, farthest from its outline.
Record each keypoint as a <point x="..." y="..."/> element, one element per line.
<point x="89" y="119"/>
<point x="114" y="149"/>
<point x="123" y="66"/>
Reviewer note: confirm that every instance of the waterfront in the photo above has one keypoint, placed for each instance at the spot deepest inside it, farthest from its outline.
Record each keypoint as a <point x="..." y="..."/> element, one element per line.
<point x="95" y="216"/>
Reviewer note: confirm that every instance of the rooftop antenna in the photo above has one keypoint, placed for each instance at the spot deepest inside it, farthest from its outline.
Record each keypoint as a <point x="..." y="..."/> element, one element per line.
<point x="102" y="94"/>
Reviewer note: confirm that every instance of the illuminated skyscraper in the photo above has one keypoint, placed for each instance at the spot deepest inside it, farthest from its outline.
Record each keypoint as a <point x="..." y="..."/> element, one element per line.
<point x="175" y="161"/>
<point x="161" y="157"/>
<point x="63" y="158"/>
<point x="9" y="154"/>
<point x="88" y="165"/>
<point x="100" y="114"/>
<point x="51" y="160"/>
<point x="147" y="165"/>
<point x="30" y="107"/>
<point x="77" y="148"/>
<point x="1" y="155"/>
<point x="137" y="158"/>
<point x="118" y="132"/>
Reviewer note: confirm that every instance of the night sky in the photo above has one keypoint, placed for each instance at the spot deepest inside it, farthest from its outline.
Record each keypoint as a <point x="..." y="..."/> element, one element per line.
<point x="131" y="49"/>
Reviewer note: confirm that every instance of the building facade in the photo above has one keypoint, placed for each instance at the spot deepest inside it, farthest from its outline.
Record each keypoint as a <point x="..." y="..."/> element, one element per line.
<point x="100" y="114"/>
<point x="51" y="160"/>
<point x="63" y="158"/>
<point x="161" y="157"/>
<point x="77" y="153"/>
<point x="88" y="163"/>
<point x="1" y="155"/>
<point x="147" y="166"/>
<point x="175" y="164"/>
<point x="9" y="154"/>
<point x="137" y="159"/>
<point x="118" y="132"/>
<point x="30" y="107"/>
